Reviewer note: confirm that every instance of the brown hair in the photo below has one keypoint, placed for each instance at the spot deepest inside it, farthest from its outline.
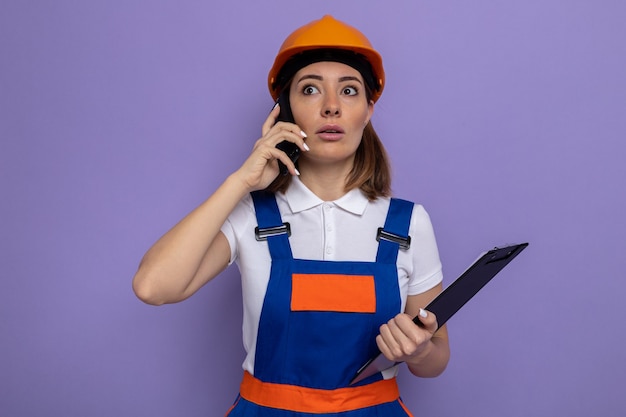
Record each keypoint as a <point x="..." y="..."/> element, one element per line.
<point x="370" y="172"/>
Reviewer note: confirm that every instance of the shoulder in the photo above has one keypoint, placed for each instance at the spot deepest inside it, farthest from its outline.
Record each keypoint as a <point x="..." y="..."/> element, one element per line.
<point x="418" y="212"/>
<point x="420" y="215"/>
<point x="420" y="219"/>
<point x="245" y="207"/>
<point x="240" y="218"/>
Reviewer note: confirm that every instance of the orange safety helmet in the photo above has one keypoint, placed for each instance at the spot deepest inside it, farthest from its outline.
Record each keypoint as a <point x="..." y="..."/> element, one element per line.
<point x="327" y="33"/>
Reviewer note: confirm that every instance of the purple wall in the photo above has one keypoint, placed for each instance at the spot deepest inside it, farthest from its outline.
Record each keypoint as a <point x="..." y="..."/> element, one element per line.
<point x="507" y="120"/>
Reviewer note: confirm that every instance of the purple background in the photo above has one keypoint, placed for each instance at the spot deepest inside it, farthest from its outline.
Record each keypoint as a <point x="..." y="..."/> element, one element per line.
<point x="507" y="120"/>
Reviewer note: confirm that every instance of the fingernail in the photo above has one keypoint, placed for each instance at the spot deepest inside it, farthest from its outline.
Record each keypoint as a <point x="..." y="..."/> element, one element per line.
<point x="297" y="172"/>
<point x="423" y="313"/>
<point x="306" y="147"/>
<point x="275" y="105"/>
<point x="303" y="134"/>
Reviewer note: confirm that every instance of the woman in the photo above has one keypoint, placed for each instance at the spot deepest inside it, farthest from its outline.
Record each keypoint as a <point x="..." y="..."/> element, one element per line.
<point x="323" y="291"/>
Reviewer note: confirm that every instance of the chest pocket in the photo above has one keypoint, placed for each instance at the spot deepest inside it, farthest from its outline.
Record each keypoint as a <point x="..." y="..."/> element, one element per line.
<point x="333" y="292"/>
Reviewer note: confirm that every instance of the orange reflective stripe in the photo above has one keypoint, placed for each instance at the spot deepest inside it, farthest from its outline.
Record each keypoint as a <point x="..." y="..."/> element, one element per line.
<point x="232" y="407"/>
<point x="333" y="292"/>
<point x="408" y="413"/>
<point x="311" y="400"/>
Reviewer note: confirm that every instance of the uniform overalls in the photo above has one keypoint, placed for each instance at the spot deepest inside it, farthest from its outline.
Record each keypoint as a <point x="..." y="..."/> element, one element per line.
<point x="318" y="326"/>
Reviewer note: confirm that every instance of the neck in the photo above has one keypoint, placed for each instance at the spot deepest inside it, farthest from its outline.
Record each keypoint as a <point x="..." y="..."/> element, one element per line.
<point x="328" y="182"/>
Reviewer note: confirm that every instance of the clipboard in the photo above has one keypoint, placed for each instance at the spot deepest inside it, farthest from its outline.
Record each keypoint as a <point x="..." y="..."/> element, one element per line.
<point x="455" y="296"/>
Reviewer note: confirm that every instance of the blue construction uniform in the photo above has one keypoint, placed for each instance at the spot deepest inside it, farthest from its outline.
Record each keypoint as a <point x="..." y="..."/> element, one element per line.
<point x="318" y="326"/>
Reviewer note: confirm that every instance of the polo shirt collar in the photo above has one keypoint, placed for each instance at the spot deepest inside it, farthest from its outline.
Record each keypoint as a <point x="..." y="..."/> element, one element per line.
<point x="300" y="198"/>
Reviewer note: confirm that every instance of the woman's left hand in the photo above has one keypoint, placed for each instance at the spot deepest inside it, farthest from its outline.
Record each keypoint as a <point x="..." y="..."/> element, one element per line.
<point x="401" y="340"/>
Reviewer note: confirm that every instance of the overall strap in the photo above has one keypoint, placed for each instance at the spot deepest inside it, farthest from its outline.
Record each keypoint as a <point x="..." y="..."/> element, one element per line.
<point x="395" y="234"/>
<point x="271" y="226"/>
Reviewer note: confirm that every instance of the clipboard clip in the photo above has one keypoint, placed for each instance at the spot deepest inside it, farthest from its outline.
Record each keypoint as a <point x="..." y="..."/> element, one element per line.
<point x="404" y="242"/>
<point x="262" y="233"/>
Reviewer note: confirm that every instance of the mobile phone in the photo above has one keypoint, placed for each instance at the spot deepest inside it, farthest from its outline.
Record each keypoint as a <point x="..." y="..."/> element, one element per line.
<point x="291" y="149"/>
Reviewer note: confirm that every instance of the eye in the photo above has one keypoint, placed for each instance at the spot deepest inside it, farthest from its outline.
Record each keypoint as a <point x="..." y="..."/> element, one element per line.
<point x="309" y="89"/>
<point x="350" y="91"/>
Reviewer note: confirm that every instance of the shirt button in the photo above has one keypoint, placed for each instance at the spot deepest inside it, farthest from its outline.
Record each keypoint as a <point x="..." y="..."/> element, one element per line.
<point x="329" y="250"/>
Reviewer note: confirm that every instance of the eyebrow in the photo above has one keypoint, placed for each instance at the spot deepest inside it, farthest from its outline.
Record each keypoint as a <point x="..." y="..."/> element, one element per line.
<point x="320" y="78"/>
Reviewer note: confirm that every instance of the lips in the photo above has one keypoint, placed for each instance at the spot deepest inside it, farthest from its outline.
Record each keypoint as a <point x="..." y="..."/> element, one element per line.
<point x="330" y="132"/>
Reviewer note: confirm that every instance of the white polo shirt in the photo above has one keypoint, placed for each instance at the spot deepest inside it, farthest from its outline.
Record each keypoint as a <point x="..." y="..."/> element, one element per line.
<point x="340" y="230"/>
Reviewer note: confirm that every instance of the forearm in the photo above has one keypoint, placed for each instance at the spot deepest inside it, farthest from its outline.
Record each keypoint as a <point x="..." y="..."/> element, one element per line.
<point x="168" y="269"/>
<point x="194" y="251"/>
<point x="434" y="359"/>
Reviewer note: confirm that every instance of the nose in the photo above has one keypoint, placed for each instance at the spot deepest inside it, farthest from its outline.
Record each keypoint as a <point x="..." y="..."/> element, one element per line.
<point x="331" y="107"/>
<point x="332" y="111"/>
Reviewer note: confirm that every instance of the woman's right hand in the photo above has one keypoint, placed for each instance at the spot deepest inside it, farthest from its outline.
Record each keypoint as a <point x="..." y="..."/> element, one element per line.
<point x="194" y="251"/>
<point x="261" y="167"/>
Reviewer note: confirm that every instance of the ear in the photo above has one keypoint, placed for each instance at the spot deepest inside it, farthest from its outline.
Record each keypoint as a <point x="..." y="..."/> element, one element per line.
<point x="370" y="112"/>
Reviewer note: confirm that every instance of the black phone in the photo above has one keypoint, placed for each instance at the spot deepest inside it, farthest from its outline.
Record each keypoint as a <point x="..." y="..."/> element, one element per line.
<point x="291" y="149"/>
